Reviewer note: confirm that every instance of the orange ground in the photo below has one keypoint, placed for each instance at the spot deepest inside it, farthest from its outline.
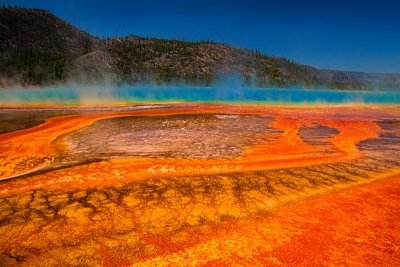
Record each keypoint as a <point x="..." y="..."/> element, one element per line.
<point x="312" y="208"/>
<point x="287" y="150"/>
<point x="358" y="226"/>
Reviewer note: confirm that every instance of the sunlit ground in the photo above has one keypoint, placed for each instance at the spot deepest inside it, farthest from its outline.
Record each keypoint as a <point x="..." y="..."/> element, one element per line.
<point x="196" y="184"/>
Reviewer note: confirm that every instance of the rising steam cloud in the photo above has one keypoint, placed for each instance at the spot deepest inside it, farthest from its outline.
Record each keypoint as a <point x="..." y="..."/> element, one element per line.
<point x="227" y="89"/>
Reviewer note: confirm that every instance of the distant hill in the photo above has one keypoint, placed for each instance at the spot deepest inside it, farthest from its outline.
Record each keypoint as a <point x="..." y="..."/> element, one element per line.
<point x="38" y="48"/>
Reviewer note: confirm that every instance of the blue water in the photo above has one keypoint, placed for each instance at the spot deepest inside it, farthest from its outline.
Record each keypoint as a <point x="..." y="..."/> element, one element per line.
<point x="135" y="94"/>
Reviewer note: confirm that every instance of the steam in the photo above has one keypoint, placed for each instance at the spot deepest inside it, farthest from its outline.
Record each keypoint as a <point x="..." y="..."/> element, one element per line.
<point x="230" y="89"/>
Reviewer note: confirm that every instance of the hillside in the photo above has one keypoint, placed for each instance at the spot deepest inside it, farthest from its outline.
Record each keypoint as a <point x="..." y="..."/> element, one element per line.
<point x="38" y="48"/>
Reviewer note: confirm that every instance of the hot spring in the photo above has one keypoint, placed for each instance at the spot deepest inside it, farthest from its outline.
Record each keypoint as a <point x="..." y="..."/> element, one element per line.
<point x="99" y="95"/>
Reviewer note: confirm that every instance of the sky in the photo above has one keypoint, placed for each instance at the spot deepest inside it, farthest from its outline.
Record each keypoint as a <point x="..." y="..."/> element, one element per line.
<point x="346" y="35"/>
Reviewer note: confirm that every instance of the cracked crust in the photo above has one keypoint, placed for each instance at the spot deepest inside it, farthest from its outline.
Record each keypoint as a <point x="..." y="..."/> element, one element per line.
<point x="76" y="216"/>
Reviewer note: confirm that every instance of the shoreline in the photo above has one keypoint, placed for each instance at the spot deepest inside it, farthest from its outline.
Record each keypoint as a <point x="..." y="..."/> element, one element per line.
<point x="144" y="105"/>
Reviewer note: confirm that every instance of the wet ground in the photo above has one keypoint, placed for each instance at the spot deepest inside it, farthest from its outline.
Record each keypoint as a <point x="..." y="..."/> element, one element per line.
<point x="174" y="136"/>
<point x="202" y="185"/>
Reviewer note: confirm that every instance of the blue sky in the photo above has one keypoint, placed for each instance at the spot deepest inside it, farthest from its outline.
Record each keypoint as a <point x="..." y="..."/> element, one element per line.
<point x="346" y="35"/>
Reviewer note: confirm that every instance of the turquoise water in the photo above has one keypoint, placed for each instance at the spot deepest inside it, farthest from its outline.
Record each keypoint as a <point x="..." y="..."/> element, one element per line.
<point x="135" y="94"/>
